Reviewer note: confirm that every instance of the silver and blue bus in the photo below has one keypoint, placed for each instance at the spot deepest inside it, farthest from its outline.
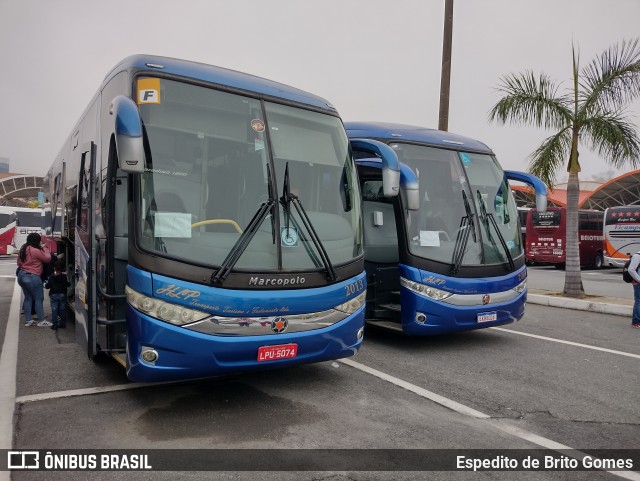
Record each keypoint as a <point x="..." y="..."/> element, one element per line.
<point x="446" y="254"/>
<point x="210" y="222"/>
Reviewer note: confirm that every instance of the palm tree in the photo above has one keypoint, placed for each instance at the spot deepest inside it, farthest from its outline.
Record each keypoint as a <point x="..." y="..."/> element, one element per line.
<point x="592" y="113"/>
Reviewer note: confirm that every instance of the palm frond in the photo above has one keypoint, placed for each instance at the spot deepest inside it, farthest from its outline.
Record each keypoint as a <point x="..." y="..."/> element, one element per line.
<point x="552" y="153"/>
<point x="529" y="100"/>
<point x="611" y="80"/>
<point x="614" y="137"/>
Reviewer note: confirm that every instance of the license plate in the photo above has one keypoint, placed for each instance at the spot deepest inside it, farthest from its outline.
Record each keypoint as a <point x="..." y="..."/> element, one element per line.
<point x="274" y="353"/>
<point x="487" y="316"/>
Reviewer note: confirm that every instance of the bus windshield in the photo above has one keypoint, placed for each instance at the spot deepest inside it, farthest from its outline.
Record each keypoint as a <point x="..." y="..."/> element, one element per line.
<point x="460" y="192"/>
<point x="216" y="158"/>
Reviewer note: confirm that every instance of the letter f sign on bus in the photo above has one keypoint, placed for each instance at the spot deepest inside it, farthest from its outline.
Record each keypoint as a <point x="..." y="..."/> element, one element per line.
<point x="149" y="91"/>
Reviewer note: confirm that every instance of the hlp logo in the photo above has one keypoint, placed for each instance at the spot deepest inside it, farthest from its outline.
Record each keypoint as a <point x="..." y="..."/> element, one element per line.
<point x="149" y="91"/>
<point x="23" y="460"/>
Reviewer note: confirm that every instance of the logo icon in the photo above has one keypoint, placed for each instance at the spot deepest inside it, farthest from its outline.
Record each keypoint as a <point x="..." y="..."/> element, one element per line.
<point x="289" y="236"/>
<point x="486" y="299"/>
<point x="23" y="460"/>
<point x="279" y="325"/>
<point x="257" y="125"/>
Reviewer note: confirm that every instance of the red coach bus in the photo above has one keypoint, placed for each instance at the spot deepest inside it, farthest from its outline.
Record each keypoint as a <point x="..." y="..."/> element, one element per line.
<point x="546" y="237"/>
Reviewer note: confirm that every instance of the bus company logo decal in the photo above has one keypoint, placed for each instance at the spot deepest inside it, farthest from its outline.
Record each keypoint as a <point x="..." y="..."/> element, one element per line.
<point x="486" y="299"/>
<point x="591" y="237"/>
<point x="279" y="325"/>
<point x="434" y="281"/>
<point x="178" y="293"/>
<point x="276" y="281"/>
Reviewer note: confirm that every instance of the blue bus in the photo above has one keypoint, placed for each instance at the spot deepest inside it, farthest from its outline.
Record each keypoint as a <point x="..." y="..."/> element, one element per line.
<point x="446" y="254"/>
<point x="211" y="223"/>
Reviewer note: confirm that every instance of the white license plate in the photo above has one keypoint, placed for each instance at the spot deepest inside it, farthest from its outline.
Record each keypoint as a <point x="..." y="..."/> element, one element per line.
<point x="487" y="316"/>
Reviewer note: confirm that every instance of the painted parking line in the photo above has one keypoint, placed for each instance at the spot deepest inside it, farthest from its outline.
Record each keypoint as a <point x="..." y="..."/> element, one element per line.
<point x="505" y="425"/>
<point x="570" y="343"/>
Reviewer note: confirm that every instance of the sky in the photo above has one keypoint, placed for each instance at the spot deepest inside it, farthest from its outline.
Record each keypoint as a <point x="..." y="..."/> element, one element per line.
<point x="374" y="60"/>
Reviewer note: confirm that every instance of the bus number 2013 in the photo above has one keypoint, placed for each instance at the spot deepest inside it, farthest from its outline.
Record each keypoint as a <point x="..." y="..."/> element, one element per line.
<point x="354" y="287"/>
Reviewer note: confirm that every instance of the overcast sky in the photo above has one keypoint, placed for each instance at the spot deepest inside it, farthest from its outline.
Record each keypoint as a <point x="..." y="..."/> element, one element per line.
<point x="373" y="60"/>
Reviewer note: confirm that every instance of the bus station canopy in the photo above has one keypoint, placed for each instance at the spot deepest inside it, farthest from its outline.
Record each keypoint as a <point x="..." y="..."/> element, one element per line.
<point x="19" y="185"/>
<point x="622" y="190"/>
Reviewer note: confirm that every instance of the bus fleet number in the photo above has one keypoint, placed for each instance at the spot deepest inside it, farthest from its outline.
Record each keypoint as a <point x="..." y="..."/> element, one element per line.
<point x="354" y="287"/>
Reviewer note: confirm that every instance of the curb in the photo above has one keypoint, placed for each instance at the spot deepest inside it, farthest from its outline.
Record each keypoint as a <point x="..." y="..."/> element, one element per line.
<point x="581" y="305"/>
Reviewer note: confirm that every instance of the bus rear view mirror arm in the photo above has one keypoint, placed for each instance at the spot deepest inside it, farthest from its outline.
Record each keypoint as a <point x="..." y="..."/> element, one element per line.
<point x="128" y="134"/>
<point x="390" y="163"/>
<point x="538" y="186"/>
<point x="410" y="187"/>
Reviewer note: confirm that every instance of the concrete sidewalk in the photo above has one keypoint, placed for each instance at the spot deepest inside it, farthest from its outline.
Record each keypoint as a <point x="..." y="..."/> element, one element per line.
<point x="603" y="304"/>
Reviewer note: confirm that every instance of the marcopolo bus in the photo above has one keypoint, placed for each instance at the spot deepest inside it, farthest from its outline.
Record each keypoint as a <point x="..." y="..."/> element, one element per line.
<point x="446" y="254"/>
<point x="621" y="234"/>
<point x="211" y="221"/>
<point x="546" y="237"/>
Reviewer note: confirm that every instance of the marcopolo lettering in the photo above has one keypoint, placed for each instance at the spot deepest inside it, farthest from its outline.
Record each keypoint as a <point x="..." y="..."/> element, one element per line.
<point x="276" y="281"/>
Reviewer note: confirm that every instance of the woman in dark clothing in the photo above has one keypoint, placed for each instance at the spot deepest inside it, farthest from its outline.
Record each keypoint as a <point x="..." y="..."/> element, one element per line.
<point x="31" y="260"/>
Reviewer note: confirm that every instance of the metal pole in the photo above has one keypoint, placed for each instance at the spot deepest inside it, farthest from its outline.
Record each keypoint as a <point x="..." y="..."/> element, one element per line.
<point x="445" y="78"/>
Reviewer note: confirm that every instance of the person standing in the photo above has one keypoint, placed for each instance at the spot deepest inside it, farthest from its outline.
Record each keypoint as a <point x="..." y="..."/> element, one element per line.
<point x="31" y="259"/>
<point x="57" y="285"/>
<point x="633" y="272"/>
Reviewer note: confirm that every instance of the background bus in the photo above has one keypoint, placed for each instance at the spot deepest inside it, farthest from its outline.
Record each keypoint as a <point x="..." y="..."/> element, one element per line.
<point x="546" y="237"/>
<point x="28" y="221"/>
<point x="7" y="230"/>
<point x="446" y="254"/>
<point x="212" y="223"/>
<point x="621" y="234"/>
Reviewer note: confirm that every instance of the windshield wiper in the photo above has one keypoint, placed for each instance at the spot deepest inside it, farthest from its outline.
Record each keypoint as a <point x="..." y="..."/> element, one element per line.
<point x="245" y="238"/>
<point x="486" y="217"/>
<point x="286" y="200"/>
<point x="460" y="247"/>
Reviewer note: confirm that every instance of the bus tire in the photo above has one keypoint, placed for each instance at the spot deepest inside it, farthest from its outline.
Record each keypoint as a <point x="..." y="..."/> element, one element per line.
<point x="598" y="262"/>
<point x="560" y="266"/>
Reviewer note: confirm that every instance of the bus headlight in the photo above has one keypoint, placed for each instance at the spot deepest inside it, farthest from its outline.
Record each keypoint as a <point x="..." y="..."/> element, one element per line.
<point x="424" y="290"/>
<point x="352" y="305"/>
<point x="165" y="311"/>
<point x="520" y="288"/>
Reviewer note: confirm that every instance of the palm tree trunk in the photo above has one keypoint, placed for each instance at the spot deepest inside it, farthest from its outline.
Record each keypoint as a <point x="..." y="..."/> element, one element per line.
<point x="573" y="279"/>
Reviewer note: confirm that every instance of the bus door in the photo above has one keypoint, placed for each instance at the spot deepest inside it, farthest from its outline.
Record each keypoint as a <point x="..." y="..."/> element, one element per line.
<point x="85" y="304"/>
<point x="381" y="252"/>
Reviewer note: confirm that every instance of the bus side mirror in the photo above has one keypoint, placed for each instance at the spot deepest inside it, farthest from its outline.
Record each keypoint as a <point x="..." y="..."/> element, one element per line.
<point x="390" y="163"/>
<point x="128" y="134"/>
<point x="538" y="186"/>
<point x="410" y="187"/>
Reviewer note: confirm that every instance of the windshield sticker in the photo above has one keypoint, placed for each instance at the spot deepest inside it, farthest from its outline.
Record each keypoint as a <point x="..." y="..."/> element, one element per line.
<point x="149" y="91"/>
<point x="258" y="144"/>
<point x="289" y="236"/>
<point x="172" y="224"/>
<point x="257" y="125"/>
<point x="511" y="244"/>
<point x="466" y="160"/>
<point x="429" y="238"/>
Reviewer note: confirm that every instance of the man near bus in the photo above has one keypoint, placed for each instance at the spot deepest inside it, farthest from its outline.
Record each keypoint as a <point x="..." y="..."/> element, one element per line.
<point x="633" y="272"/>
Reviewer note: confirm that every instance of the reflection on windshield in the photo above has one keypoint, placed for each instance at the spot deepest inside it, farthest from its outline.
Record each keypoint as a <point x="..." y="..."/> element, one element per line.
<point x="442" y="224"/>
<point x="210" y="170"/>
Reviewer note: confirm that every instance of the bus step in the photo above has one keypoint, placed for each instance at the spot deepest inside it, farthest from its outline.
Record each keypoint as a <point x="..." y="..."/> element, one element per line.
<point x="120" y="357"/>
<point x="391" y="307"/>
<point x="392" y="326"/>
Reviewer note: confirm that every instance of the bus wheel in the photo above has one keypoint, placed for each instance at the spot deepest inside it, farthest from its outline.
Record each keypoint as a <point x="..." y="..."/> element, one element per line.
<point x="598" y="262"/>
<point x="560" y="266"/>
